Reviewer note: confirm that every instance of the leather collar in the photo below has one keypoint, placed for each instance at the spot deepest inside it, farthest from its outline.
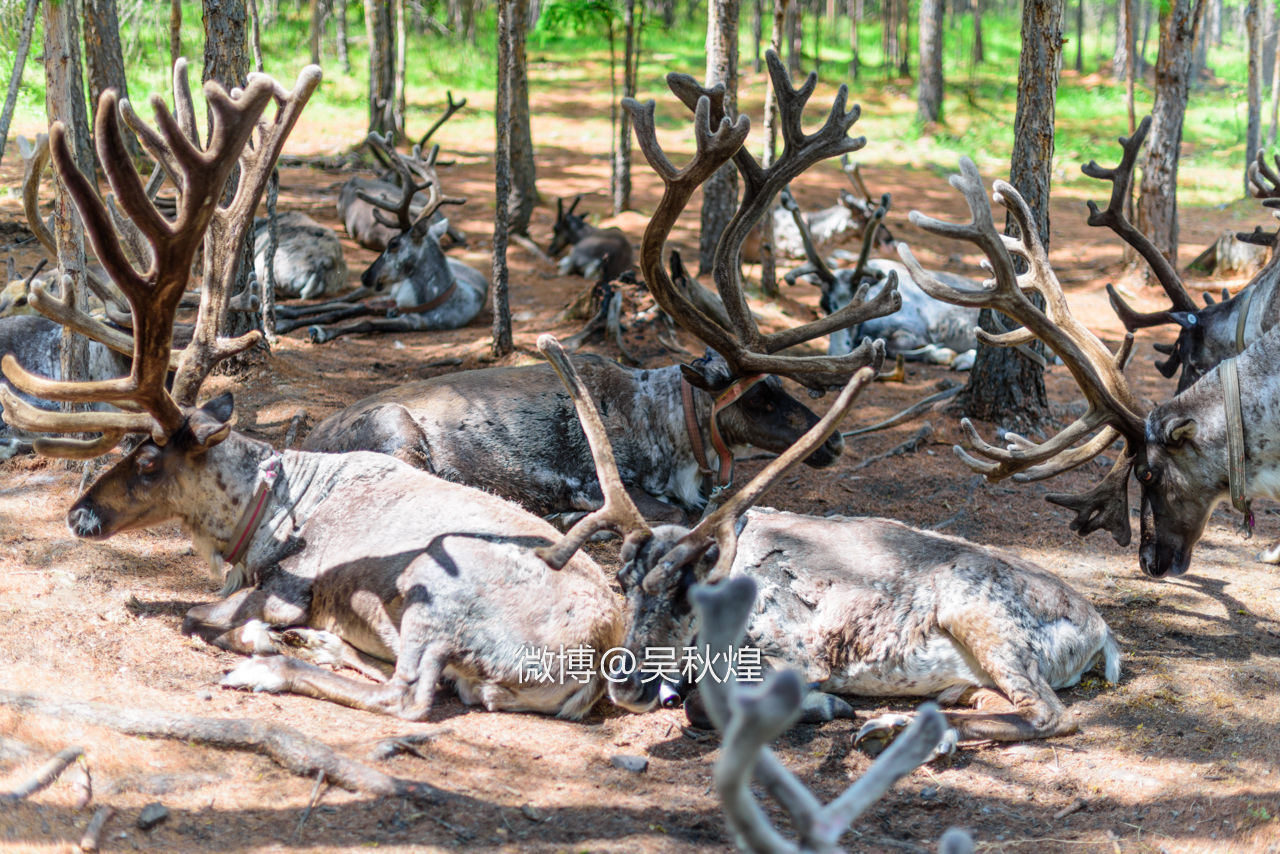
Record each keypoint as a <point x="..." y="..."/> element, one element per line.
<point x="435" y="302"/>
<point x="242" y="534"/>
<point x="724" y="475"/>
<point x="1237" y="471"/>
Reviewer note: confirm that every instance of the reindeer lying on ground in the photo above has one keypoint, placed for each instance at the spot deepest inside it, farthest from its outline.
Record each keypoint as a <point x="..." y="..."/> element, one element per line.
<point x="1212" y="441"/>
<point x="424" y="289"/>
<point x="490" y="428"/>
<point x="867" y="607"/>
<point x="308" y="261"/>
<point x="1207" y="335"/>
<point x="593" y="252"/>
<point x="448" y="583"/>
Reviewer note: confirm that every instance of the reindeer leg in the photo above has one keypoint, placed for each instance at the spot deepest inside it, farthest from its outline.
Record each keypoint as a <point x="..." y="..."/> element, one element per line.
<point x="325" y="648"/>
<point x="344" y="311"/>
<point x="404" y="323"/>
<point x="407" y="695"/>
<point x="240" y="622"/>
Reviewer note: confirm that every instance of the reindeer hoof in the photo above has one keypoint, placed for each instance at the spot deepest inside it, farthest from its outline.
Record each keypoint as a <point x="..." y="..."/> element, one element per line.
<point x="317" y="334"/>
<point x="257" y="674"/>
<point x="878" y="733"/>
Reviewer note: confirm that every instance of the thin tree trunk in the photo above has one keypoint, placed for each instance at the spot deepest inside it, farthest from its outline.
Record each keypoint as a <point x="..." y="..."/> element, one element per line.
<point x="768" y="260"/>
<point x="720" y="192"/>
<point x="630" y="66"/>
<point x="378" y="27"/>
<point x="344" y="54"/>
<point x="978" y="52"/>
<point x="1275" y="101"/>
<point x="524" y="185"/>
<point x="929" y="98"/>
<point x="64" y="101"/>
<point x="613" y="110"/>
<point x="1158" y="193"/>
<point x="817" y="41"/>
<point x="1004" y="386"/>
<point x="757" y="33"/>
<point x="1079" y="36"/>
<point x="1253" y="128"/>
<point x="855" y="18"/>
<point x="1140" y="61"/>
<point x="904" y="66"/>
<point x="502" y="338"/>
<point x="1130" y="73"/>
<point x="20" y="60"/>
<point x="255" y="35"/>
<point x="402" y="106"/>
<point x="104" y="59"/>
<point x="795" y="39"/>
<point x="175" y="32"/>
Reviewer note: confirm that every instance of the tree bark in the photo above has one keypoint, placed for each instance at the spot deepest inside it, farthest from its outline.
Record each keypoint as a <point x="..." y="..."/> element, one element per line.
<point x="104" y="59"/>
<point x="1275" y="100"/>
<point x="1253" y="127"/>
<point x="929" y="98"/>
<point x="64" y="101"/>
<point x="401" y="58"/>
<point x="15" y="81"/>
<point x="344" y="54"/>
<point x="630" y="66"/>
<point x="1079" y="36"/>
<point x="524" y="177"/>
<point x="502" y="338"/>
<point x="317" y="29"/>
<point x="978" y="51"/>
<point x="720" y="192"/>
<point x="255" y="37"/>
<point x="175" y="32"/>
<point x="757" y="34"/>
<point x="382" y="71"/>
<point x="795" y="39"/>
<point x="768" y="260"/>
<point x="855" y="18"/>
<point x="1004" y="386"/>
<point x="1158" y="192"/>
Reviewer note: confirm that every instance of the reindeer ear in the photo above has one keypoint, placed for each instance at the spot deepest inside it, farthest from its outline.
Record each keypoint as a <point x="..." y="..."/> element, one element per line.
<point x="210" y="424"/>
<point x="705" y="375"/>
<point x="1182" y="432"/>
<point x="438" y="230"/>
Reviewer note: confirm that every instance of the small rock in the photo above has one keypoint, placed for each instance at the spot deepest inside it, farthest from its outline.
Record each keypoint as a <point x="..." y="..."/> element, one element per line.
<point x="152" y="814"/>
<point x="532" y="813"/>
<point x="929" y="793"/>
<point x="634" y="764"/>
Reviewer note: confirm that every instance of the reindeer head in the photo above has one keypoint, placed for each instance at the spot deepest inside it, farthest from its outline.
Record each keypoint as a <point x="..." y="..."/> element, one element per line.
<point x="660" y="565"/>
<point x="145" y="486"/>
<point x="568" y="229"/>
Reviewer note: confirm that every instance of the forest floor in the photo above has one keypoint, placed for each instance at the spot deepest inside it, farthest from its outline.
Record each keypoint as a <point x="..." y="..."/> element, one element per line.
<point x="1181" y="756"/>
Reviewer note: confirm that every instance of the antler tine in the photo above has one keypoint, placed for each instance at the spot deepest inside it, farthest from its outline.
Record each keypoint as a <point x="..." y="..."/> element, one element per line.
<point x="436" y="199"/>
<point x="853" y="172"/>
<point x="1097" y="371"/>
<point x="618" y="513"/>
<point x="1105" y="507"/>
<point x="235" y="118"/>
<point x="1134" y="320"/>
<point x="451" y="107"/>
<point x="1113" y="217"/>
<point x="820" y="268"/>
<point x="1265" y="180"/>
<point x="720" y="526"/>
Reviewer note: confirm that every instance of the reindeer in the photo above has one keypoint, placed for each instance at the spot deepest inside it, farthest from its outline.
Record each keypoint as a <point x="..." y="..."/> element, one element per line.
<point x="1219" y="330"/>
<point x="593" y="252"/>
<point x="923" y="329"/>
<point x="425" y="290"/>
<point x="860" y="606"/>
<point x="852" y="212"/>
<point x="449" y="584"/>
<point x="308" y="260"/>
<point x="359" y="214"/>
<point x="1187" y="454"/>
<point x="490" y="428"/>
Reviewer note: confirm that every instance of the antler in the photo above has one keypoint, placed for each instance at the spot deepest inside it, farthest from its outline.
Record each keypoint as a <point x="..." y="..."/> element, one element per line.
<point x="153" y="294"/>
<point x="1113" y="217"/>
<point x="406" y="169"/>
<point x="618" y="513"/>
<point x="450" y="108"/>
<point x="1112" y="408"/>
<point x="719" y="527"/>
<point x="718" y="140"/>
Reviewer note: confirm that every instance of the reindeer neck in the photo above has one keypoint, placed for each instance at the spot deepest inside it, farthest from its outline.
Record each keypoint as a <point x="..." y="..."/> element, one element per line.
<point x="672" y="433"/>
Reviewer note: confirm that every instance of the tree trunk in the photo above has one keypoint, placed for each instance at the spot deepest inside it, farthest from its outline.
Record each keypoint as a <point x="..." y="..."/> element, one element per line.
<point x="768" y="260"/>
<point x="343" y="45"/>
<point x="402" y="47"/>
<point x="502" y="338"/>
<point x="317" y="28"/>
<point x="382" y="68"/>
<point x="1004" y="386"/>
<point x="64" y="100"/>
<point x="720" y="192"/>
<point x="1253" y="128"/>
<point x="757" y="33"/>
<point x="630" y="67"/>
<point x="175" y="32"/>
<point x="978" y="52"/>
<point x="1275" y="101"/>
<point x="226" y="60"/>
<point x="104" y="59"/>
<point x="855" y="18"/>
<point x="1079" y="36"/>
<point x="1215" y="22"/>
<point x="255" y="39"/>
<point x="1158" y="193"/>
<point x="795" y="39"/>
<point x="15" y="81"/>
<point x="904" y="53"/>
<point x="1140" y="60"/>
<point x="929" y="99"/>
<point x="1268" y="21"/>
<point x="524" y="177"/>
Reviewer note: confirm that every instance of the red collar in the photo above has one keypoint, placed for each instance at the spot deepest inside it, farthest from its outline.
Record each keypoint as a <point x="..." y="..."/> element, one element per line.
<point x="724" y="477"/>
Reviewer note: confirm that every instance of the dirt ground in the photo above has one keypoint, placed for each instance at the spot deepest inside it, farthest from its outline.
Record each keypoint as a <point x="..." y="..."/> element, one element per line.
<point x="1180" y="756"/>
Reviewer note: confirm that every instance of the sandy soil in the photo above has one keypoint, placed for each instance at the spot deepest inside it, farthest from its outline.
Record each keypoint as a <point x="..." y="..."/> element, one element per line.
<point x="1179" y="757"/>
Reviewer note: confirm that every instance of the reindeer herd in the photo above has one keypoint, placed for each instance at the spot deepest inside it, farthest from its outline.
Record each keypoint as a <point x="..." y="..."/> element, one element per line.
<point x="463" y="574"/>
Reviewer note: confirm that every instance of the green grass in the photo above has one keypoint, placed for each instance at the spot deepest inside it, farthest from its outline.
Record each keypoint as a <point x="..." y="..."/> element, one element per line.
<point x="979" y="104"/>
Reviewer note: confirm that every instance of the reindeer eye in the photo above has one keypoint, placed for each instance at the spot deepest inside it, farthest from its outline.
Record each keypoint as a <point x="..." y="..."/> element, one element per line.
<point x="1146" y="476"/>
<point x="148" y="464"/>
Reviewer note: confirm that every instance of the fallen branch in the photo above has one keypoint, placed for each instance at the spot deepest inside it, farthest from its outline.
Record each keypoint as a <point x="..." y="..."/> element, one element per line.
<point x="908" y="447"/>
<point x="92" y="833"/>
<point x="914" y="411"/>
<point x="292" y="750"/>
<point x="44" y="775"/>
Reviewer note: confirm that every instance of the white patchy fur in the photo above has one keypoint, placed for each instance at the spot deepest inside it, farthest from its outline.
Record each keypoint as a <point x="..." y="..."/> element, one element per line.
<point x="256" y="674"/>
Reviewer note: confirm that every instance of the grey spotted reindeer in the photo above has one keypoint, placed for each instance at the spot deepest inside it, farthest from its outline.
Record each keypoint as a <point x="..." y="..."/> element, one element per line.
<point x="594" y="253"/>
<point x="859" y="606"/>
<point x="448" y="585"/>
<point x="1211" y="442"/>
